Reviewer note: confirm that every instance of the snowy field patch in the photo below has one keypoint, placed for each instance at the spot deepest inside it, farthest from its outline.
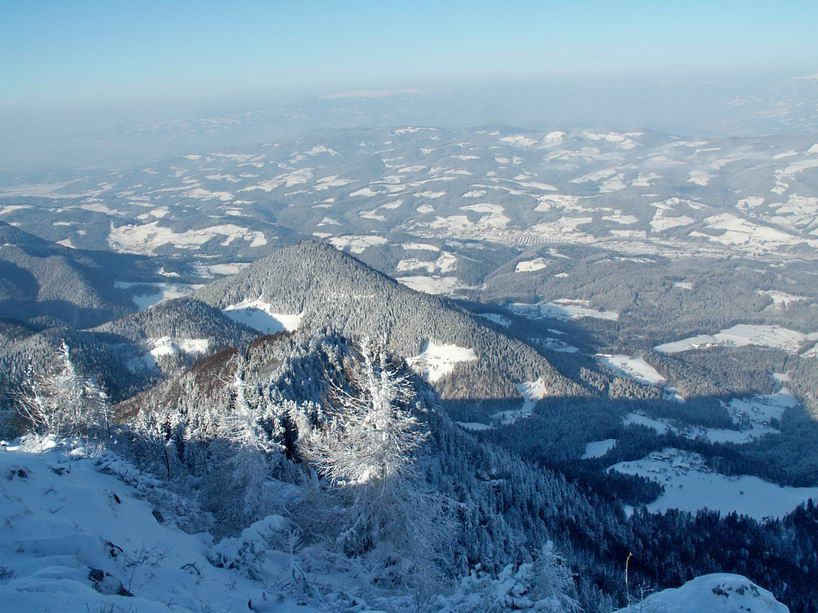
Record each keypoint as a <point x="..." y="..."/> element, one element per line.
<point x="531" y="265"/>
<point x="741" y="335"/>
<point x="631" y="367"/>
<point x="691" y="486"/>
<point x="563" y="309"/>
<point x="356" y="244"/>
<point x="439" y="359"/>
<point x="260" y="316"/>
<point x="597" y="449"/>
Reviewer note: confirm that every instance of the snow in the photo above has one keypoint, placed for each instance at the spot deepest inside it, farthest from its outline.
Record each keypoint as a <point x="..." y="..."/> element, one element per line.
<point x="146" y="238"/>
<point x="634" y="368"/>
<point x="662" y="222"/>
<point x="563" y="308"/>
<point x="660" y="426"/>
<point x="474" y="426"/>
<point x="420" y="247"/>
<point x="364" y="192"/>
<point x="356" y="244"/>
<point x="164" y="291"/>
<point x="500" y="320"/>
<point x="260" y="316"/>
<point x="740" y="335"/>
<point x="432" y="284"/>
<point x="597" y="449"/>
<point x="519" y="140"/>
<point x="166" y="345"/>
<point x="446" y="262"/>
<point x="439" y="359"/>
<point x="753" y="417"/>
<point x="691" y="486"/>
<point x="531" y="265"/>
<point x="71" y="513"/>
<point x="532" y="392"/>
<point x="781" y="298"/>
<point x="699" y="177"/>
<point x="714" y="593"/>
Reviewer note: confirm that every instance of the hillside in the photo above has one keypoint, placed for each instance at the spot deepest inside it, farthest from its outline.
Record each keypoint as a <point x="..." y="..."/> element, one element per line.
<point x="50" y="284"/>
<point x="313" y="286"/>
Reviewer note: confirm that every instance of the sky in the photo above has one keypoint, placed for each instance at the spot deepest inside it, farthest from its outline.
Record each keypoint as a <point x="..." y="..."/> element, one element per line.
<point x="102" y="53"/>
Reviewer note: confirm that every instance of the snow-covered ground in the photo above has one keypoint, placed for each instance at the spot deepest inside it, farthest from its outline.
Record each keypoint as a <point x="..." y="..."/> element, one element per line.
<point x="260" y="316"/>
<point x="563" y="309"/>
<point x="715" y="593"/>
<point x="500" y="320"/>
<point x="742" y="335"/>
<point x="163" y="291"/>
<point x="169" y="346"/>
<point x="439" y="359"/>
<point x="532" y="392"/>
<point x="148" y="237"/>
<point x="531" y="265"/>
<point x="93" y="534"/>
<point x="432" y="284"/>
<point x="597" y="449"/>
<point x="691" y="486"/>
<point x="632" y="367"/>
<point x="356" y="244"/>
<point x="753" y="418"/>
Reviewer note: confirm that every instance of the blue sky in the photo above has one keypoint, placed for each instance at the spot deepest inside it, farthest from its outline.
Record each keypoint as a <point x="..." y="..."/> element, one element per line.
<point x="89" y="54"/>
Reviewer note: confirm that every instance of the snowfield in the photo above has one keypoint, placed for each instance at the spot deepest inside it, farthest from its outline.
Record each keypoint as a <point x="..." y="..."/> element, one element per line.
<point x="168" y="346"/>
<point x="634" y="368"/>
<point x="439" y="359"/>
<point x="145" y="239"/>
<point x="532" y="392"/>
<point x="87" y="533"/>
<point x="164" y="291"/>
<point x="691" y="486"/>
<point x="742" y="335"/>
<point x="260" y="316"/>
<point x="597" y="449"/>
<point x="432" y="284"/>
<point x="753" y="418"/>
<point x="356" y="244"/>
<point x="563" y="309"/>
<point x="531" y="265"/>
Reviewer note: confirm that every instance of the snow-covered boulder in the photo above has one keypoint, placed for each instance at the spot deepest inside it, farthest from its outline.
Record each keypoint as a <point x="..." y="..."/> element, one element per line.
<point x="716" y="593"/>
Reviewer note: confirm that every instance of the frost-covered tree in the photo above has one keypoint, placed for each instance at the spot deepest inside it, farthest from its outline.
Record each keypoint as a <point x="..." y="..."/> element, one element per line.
<point x="368" y="451"/>
<point x="63" y="402"/>
<point x="543" y="584"/>
<point x="373" y="435"/>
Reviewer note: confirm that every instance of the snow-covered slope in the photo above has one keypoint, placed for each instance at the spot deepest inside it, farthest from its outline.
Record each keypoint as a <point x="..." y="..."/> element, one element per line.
<point x="716" y="593"/>
<point x="93" y="534"/>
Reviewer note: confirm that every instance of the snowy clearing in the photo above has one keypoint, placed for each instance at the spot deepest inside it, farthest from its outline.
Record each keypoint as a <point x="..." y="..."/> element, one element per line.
<point x="597" y="449"/>
<point x="741" y="335"/>
<point x="356" y="244"/>
<point x="563" y="309"/>
<point x="631" y="367"/>
<point x="691" y="486"/>
<point x="531" y="265"/>
<point x="145" y="239"/>
<point x="439" y="359"/>
<point x="532" y="392"/>
<point x="260" y="316"/>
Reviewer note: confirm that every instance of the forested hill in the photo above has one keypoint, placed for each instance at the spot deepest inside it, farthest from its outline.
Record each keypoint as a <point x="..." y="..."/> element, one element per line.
<point x="51" y="284"/>
<point x="331" y="289"/>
